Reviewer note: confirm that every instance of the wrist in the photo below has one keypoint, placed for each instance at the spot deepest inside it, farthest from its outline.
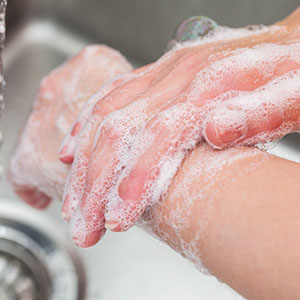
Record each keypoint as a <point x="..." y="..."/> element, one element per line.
<point x="183" y="218"/>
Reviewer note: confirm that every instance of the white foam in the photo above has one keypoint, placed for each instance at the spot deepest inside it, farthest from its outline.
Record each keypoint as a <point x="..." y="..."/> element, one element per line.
<point x="277" y="97"/>
<point x="225" y="34"/>
<point x="196" y="190"/>
<point x="186" y="118"/>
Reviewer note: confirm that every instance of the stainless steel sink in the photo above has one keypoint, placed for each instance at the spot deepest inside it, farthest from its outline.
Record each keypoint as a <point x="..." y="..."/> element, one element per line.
<point x="130" y="265"/>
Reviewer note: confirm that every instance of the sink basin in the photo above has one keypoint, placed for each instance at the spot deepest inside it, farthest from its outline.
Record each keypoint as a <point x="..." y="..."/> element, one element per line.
<point x="130" y="265"/>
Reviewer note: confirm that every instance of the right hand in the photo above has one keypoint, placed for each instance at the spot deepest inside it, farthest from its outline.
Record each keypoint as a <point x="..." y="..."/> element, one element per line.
<point x="137" y="135"/>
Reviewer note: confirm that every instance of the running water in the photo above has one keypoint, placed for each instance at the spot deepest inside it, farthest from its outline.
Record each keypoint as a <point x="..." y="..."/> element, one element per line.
<point x="3" y="4"/>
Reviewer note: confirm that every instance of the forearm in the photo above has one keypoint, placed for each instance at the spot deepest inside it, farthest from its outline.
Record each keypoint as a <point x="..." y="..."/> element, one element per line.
<point x="253" y="241"/>
<point x="241" y="219"/>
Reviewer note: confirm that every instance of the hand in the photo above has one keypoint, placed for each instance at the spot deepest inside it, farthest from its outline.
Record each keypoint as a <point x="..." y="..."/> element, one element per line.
<point x="213" y="216"/>
<point x="35" y="170"/>
<point x="137" y="135"/>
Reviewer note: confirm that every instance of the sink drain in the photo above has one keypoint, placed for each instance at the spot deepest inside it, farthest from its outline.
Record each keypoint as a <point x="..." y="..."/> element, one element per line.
<point x="16" y="279"/>
<point x="36" y="261"/>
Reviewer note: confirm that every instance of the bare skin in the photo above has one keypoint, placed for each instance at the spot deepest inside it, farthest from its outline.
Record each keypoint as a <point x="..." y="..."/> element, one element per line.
<point x="249" y="237"/>
<point x="144" y="127"/>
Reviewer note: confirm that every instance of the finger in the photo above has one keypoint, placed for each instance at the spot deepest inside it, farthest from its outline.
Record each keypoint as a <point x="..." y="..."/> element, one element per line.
<point x="117" y="99"/>
<point x="87" y="223"/>
<point x="68" y="145"/>
<point x="190" y="60"/>
<point x="268" y="113"/>
<point x="87" y="234"/>
<point x="66" y="154"/>
<point x="154" y="158"/>
<point x="95" y="70"/>
<point x="149" y="171"/>
<point x="33" y="196"/>
<point x="118" y="133"/>
<point x="178" y="129"/>
<point x="113" y="101"/>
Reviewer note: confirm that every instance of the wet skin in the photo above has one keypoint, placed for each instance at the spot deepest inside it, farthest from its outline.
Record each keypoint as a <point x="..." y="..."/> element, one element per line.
<point x="142" y="129"/>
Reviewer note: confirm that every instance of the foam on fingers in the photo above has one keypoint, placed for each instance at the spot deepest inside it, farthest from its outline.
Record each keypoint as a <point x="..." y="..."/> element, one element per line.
<point x="154" y="159"/>
<point x="119" y="128"/>
<point x="114" y="139"/>
<point x="83" y="234"/>
<point x="85" y="142"/>
<point x="270" y="112"/>
<point x="95" y="58"/>
<point x="66" y="153"/>
<point x="178" y="128"/>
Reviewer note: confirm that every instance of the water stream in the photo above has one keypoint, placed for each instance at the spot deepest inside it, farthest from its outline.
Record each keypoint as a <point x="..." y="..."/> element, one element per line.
<point x="3" y="4"/>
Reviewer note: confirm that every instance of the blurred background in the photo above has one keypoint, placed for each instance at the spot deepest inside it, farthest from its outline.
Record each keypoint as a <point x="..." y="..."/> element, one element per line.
<point x="41" y="34"/>
<point x="141" y="28"/>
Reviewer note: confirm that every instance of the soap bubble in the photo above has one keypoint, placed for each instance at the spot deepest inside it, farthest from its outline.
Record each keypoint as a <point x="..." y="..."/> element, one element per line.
<point x="267" y="146"/>
<point x="192" y="29"/>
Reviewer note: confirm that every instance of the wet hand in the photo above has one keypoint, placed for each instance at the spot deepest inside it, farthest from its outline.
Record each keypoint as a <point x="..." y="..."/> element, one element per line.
<point x="35" y="170"/>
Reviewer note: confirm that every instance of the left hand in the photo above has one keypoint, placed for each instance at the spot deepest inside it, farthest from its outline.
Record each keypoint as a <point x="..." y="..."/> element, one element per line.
<point x="35" y="171"/>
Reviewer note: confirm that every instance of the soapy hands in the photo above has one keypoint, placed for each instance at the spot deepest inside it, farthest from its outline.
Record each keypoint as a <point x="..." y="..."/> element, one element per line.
<point x="235" y="87"/>
<point x="35" y="170"/>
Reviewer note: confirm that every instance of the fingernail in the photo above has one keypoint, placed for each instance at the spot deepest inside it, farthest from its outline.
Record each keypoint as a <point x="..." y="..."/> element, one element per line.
<point x="112" y="226"/>
<point x="89" y="240"/>
<point x="41" y="200"/>
<point x="78" y="242"/>
<point x="76" y="129"/>
<point x="218" y="137"/>
<point x="63" y="215"/>
<point x="94" y="237"/>
<point x="65" y="156"/>
<point x="229" y="137"/>
<point x="65" y="208"/>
